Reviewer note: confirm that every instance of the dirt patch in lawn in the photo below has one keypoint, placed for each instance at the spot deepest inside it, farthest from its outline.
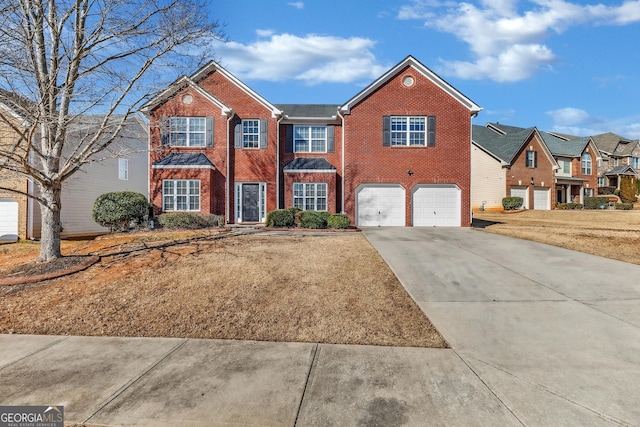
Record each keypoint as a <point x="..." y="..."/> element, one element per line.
<point x="331" y="288"/>
<point x="610" y="234"/>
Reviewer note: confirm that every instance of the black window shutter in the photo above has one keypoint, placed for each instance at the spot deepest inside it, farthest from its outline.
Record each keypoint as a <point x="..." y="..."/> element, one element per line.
<point x="535" y="159"/>
<point x="237" y="134"/>
<point x="263" y="134"/>
<point x="164" y="130"/>
<point x="209" y="131"/>
<point x="330" y="139"/>
<point x="386" y="131"/>
<point x="288" y="134"/>
<point x="431" y="131"/>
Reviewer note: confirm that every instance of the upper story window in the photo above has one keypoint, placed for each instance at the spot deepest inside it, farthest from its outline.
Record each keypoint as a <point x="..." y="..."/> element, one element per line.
<point x="565" y="166"/>
<point x="187" y="131"/>
<point x="123" y="169"/>
<point x="616" y="161"/>
<point x="250" y="133"/>
<point x="586" y="164"/>
<point x="310" y="139"/>
<point x="532" y="159"/>
<point x="407" y="131"/>
<point x="635" y="162"/>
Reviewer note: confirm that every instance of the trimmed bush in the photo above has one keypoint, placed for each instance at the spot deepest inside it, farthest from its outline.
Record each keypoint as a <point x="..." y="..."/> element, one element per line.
<point x="569" y="206"/>
<point x="311" y="219"/>
<point x="624" y="206"/>
<point x="188" y="220"/>
<point x="595" y="202"/>
<point x="325" y="215"/>
<point x="606" y="190"/>
<point x="338" y="221"/>
<point x="512" y="203"/>
<point x="118" y="210"/>
<point x="280" y="218"/>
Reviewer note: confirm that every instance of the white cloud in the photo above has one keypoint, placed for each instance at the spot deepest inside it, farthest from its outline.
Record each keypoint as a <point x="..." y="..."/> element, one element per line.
<point x="297" y="4"/>
<point x="507" y="44"/>
<point x="312" y="59"/>
<point x="575" y="121"/>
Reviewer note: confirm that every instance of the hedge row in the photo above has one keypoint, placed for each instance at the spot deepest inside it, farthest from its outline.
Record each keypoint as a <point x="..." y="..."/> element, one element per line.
<point x="294" y="217"/>
<point x="189" y="220"/>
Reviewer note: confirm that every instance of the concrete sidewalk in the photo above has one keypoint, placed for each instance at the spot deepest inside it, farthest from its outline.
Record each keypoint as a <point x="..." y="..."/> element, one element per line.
<point x="553" y="333"/>
<point x="188" y="382"/>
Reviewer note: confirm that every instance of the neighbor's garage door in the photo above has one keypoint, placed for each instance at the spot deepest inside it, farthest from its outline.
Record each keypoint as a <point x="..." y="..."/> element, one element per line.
<point x="437" y="206"/>
<point x="380" y="205"/>
<point x="8" y="219"/>
<point x="542" y="198"/>
<point x="521" y="192"/>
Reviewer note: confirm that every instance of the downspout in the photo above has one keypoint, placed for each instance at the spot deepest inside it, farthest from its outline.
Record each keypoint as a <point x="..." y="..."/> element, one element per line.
<point x="228" y="168"/>
<point x="278" y="161"/>
<point x="342" y="167"/>
<point x="473" y="115"/>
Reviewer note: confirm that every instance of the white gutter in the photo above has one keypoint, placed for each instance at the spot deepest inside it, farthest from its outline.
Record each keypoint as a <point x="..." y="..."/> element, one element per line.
<point x="342" y="166"/>
<point x="278" y="162"/>
<point x="227" y="213"/>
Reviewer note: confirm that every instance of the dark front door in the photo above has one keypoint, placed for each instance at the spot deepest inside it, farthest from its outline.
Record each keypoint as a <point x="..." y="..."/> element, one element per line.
<point x="250" y="202"/>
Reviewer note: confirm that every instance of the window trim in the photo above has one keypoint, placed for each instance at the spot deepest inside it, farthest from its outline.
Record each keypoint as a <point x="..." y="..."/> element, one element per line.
<point x="123" y="169"/>
<point x="188" y="132"/>
<point x="310" y="138"/>
<point x="262" y="200"/>
<point x="174" y="195"/>
<point x="586" y="159"/>
<point x="304" y="196"/>
<point x="533" y="162"/>
<point x="407" y="132"/>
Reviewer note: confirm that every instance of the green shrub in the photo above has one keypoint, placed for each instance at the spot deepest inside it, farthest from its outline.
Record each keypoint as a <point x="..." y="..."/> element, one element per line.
<point x="325" y="215"/>
<point x="280" y="218"/>
<point x="311" y="219"/>
<point x="188" y="220"/>
<point x="595" y="202"/>
<point x="624" y="206"/>
<point x="294" y="210"/>
<point x="338" y="221"/>
<point x="118" y="210"/>
<point x="512" y="203"/>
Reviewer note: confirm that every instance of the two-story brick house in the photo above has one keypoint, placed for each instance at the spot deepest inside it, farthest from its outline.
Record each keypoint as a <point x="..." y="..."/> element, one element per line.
<point x="397" y="153"/>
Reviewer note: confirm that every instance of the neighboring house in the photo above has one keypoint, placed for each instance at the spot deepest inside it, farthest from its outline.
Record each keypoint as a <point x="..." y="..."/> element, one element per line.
<point x="397" y="153"/>
<point x="620" y="157"/>
<point x="540" y="167"/>
<point x="121" y="167"/>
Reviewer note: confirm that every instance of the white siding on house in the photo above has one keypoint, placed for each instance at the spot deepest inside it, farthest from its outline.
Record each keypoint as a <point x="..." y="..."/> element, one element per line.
<point x="487" y="180"/>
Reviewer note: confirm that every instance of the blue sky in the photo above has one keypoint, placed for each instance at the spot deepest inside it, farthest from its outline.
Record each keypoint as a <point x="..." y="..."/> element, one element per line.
<point x="566" y="66"/>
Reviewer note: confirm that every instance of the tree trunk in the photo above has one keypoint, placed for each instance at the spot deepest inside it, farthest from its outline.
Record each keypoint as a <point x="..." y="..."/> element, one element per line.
<point x="51" y="225"/>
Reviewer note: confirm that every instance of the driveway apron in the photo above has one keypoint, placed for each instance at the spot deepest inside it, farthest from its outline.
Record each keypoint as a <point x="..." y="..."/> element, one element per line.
<point x="553" y="333"/>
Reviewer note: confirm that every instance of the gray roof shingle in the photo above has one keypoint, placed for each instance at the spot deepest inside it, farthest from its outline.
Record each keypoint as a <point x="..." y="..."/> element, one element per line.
<point x="184" y="159"/>
<point x="504" y="147"/>
<point x="309" y="110"/>
<point x="309" y="164"/>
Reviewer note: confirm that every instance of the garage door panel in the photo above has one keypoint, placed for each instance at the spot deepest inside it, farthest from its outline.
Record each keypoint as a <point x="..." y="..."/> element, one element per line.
<point x="8" y="219"/>
<point x="380" y="205"/>
<point x="437" y="205"/>
<point x="541" y="198"/>
<point x="521" y="192"/>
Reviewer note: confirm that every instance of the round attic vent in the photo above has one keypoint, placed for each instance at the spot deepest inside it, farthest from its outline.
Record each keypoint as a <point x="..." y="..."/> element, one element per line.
<point x="187" y="99"/>
<point x="408" y="81"/>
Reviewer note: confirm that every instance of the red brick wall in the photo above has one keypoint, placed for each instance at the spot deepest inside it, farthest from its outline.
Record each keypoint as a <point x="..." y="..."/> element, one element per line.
<point x="329" y="178"/>
<point x="592" y="179"/>
<point x="367" y="161"/>
<point x="243" y="165"/>
<point x="543" y="175"/>
<point x="207" y="181"/>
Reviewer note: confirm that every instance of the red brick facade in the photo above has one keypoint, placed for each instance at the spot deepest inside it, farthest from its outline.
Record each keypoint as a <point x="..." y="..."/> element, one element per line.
<point x="365" y="160"/>
<point x="542" y="176"/>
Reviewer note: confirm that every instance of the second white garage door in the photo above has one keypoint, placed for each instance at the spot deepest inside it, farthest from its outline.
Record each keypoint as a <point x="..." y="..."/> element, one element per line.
<point x="380" y="205"/>
<point x="541" y="198"/>
<point x="437" y="205"/>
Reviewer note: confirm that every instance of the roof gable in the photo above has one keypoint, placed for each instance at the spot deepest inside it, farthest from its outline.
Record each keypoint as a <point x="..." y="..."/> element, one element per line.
<point x="197" y="77"/>
<point x="419" y="67"/>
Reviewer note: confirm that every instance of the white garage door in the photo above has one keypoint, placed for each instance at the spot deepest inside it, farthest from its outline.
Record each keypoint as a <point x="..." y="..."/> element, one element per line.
<point x="437" y="206"/>
<point x="541" y="199"/>
<point x="8" y="219"/>
<point x="380" y="205"/>
<point x="521" y="192"/>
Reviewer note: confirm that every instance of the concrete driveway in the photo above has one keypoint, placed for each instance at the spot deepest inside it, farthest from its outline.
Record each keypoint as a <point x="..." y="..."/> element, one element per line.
<point x="553" y="333"/>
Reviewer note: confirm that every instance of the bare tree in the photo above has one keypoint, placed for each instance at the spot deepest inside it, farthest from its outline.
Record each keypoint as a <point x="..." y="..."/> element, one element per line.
<point x="61" y="60"/>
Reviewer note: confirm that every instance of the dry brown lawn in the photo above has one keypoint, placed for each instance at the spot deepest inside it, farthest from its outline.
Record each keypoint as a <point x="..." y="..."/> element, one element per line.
<point x="611" y="234"/>
<point x="329" y="288"/>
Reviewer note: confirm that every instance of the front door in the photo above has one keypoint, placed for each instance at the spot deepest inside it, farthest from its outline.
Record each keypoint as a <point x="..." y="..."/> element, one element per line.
<point x="250" y="202"/>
